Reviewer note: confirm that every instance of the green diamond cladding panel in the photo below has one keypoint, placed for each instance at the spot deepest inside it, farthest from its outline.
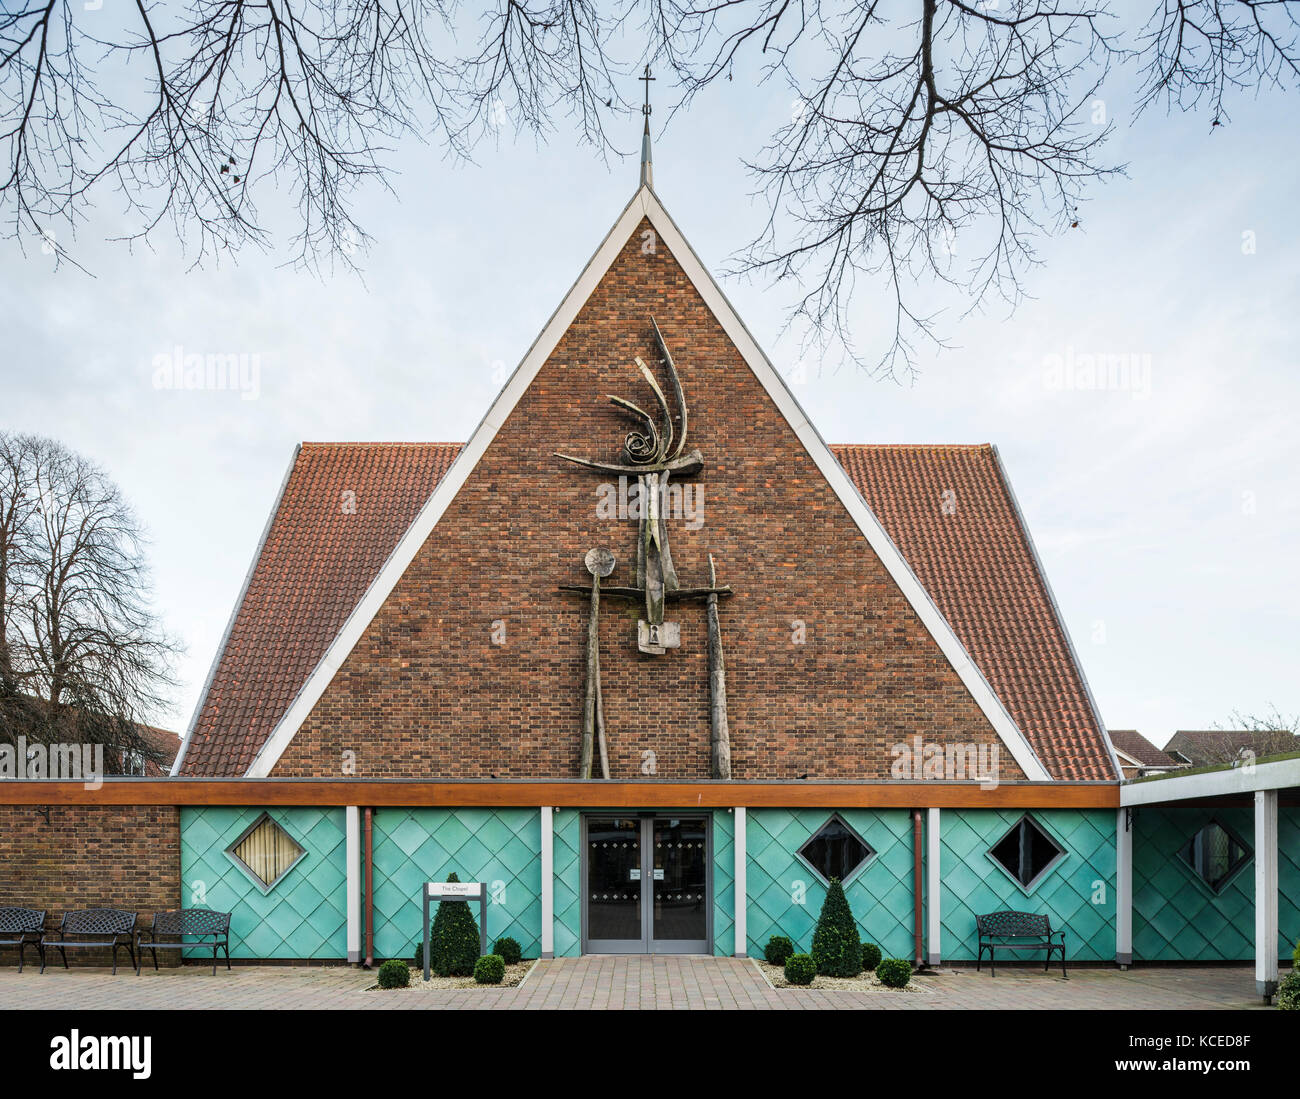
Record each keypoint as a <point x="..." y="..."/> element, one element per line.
<point x="568" y="883"/>
<point x="1077" y="893"/>
<point x="785" y="896"/>
<point x="501" y="847"/>
<point x="1176" y="917"/>
<point x="724" y="883"/>
<point x="303" y="916"/>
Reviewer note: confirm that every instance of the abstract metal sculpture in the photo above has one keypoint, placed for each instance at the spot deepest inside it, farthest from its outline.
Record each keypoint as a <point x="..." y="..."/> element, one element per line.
<point x="719" y="733"/>
<point x="600" y="563"/>
<point x="652" y="459"/>
<point x="653" y="450"/>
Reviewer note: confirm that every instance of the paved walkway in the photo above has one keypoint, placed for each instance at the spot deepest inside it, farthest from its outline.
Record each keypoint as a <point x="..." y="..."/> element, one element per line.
<point x="627" y="982"/>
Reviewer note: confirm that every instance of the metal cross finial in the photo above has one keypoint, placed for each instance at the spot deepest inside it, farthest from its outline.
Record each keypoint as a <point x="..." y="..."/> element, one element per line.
<point x="647" y="166"/>
<point x="646" y="78"/>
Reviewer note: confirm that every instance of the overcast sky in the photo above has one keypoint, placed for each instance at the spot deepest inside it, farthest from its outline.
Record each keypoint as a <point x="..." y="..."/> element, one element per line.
<point x="1165" y="511"/>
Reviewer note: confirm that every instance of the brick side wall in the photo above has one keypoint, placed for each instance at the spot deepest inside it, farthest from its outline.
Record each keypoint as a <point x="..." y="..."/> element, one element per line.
<point x="89" y="857"/>
<point x="427" y="693"/>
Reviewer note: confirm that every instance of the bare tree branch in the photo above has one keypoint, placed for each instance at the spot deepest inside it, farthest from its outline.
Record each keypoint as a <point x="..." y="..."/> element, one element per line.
<point x="933" y="145"/>
<point x="84" y="656"/>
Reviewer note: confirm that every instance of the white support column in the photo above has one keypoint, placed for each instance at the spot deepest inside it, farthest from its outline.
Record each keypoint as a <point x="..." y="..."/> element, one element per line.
<point x="1124" y="888"/>
<point x="352" y="856"/>
<point x="934" y="916"/>
<point x="548" y="883"/>
<point x="742" y="886"/>
<point x="1266" y="892"/>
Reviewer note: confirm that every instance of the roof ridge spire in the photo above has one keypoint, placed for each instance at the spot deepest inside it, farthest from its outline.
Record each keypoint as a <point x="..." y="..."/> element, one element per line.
<point x="647" y="163"/>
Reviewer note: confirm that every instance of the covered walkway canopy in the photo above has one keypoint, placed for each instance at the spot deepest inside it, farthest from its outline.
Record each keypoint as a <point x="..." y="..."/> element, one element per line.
<point x="1263" y="782"/>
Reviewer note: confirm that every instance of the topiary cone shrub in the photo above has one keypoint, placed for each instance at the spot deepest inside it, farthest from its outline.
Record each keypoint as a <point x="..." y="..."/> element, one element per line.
<point x="894" y="972"/>
<point x="454" y="940"/>
<point x="800" y="969"/>
<point x="508" y="950"/>
<point x="836" y="946"/>
<point x="490" y="969"/>
<point x="870" y="957"/>
<point x="394" y="973"/>
<point x="778" y="950"/>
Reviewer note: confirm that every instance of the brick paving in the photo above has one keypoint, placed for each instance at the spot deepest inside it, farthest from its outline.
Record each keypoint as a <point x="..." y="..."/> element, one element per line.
<point x="610" y="983"/>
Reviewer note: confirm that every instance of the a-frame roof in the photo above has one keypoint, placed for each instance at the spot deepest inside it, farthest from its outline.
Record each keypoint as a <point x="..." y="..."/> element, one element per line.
<point x="1072" y="746"/>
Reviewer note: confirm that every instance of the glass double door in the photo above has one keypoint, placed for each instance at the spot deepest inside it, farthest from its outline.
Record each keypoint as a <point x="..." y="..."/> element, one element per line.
<point x="646" y="882"/>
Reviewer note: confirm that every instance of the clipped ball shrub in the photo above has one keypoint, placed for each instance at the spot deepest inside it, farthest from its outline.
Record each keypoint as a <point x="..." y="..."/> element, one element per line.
<point x="800" y="969"/>
<point x="894" y="972"/>
<point x="1288" y="992"/>
<point x="394" y="973"/>
<point x="836" y="946"/>
<point x="453" y="941"/>
<point x="508" y="950"/>
<point x="778" y="950"/>
<point x="870" y="957"/>
<point x="490" y="969"/>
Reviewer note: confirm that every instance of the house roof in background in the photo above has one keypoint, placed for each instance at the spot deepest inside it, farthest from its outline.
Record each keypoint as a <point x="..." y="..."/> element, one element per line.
<point x="1136" y="746"/>
<point x="1207" y="746"/>
<point x="166" y="743"/>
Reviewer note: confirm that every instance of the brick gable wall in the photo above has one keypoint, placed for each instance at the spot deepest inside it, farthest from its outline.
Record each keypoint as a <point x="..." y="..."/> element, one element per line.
<point x="427" y="692"/>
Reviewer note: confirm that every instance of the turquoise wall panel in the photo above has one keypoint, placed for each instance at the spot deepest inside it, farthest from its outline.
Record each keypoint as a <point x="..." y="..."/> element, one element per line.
<point x="501" y="847"/>
<point x="785" y="896"/>
<point x="1177" y="917"/>
<point x="305" y="913"/>
<point x="724" y="883"/>
<point x="1078" y="893"/>
<point x="1288" y="884"/>
<point x="568" y="883"/>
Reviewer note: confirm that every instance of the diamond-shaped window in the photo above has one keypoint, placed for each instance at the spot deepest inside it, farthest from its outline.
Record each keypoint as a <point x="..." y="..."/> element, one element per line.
<point x="836" y="851"/>
<point x="1215" y="855"/>
<point x="1026" y="852"/>
<point x="266" y="852"/>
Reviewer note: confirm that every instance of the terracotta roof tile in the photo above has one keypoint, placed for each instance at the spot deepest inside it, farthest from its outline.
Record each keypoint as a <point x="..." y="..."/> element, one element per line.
<point x="318" y="559"/>
<point x="968" y="550"/>
<point x="951" y="514"/>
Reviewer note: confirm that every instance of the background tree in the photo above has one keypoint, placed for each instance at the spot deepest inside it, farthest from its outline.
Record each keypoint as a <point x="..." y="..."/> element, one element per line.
<point x="1267" y="733"/>
<point x="916" y="123"/>
<point x="83" y="657"/>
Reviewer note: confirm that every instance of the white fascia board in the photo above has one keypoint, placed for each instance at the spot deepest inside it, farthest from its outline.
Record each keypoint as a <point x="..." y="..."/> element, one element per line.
<point x="645" y="204"/>
<point x="1209" y="784"/>
<point x="234" y="614"/>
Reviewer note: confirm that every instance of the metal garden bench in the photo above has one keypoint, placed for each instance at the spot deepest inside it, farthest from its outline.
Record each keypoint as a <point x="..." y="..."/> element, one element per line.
<point x="1018" y="931"/>
<point x="204" y="926"/>
<point x="20" y="927"/>
<point x="91" y="927"/>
